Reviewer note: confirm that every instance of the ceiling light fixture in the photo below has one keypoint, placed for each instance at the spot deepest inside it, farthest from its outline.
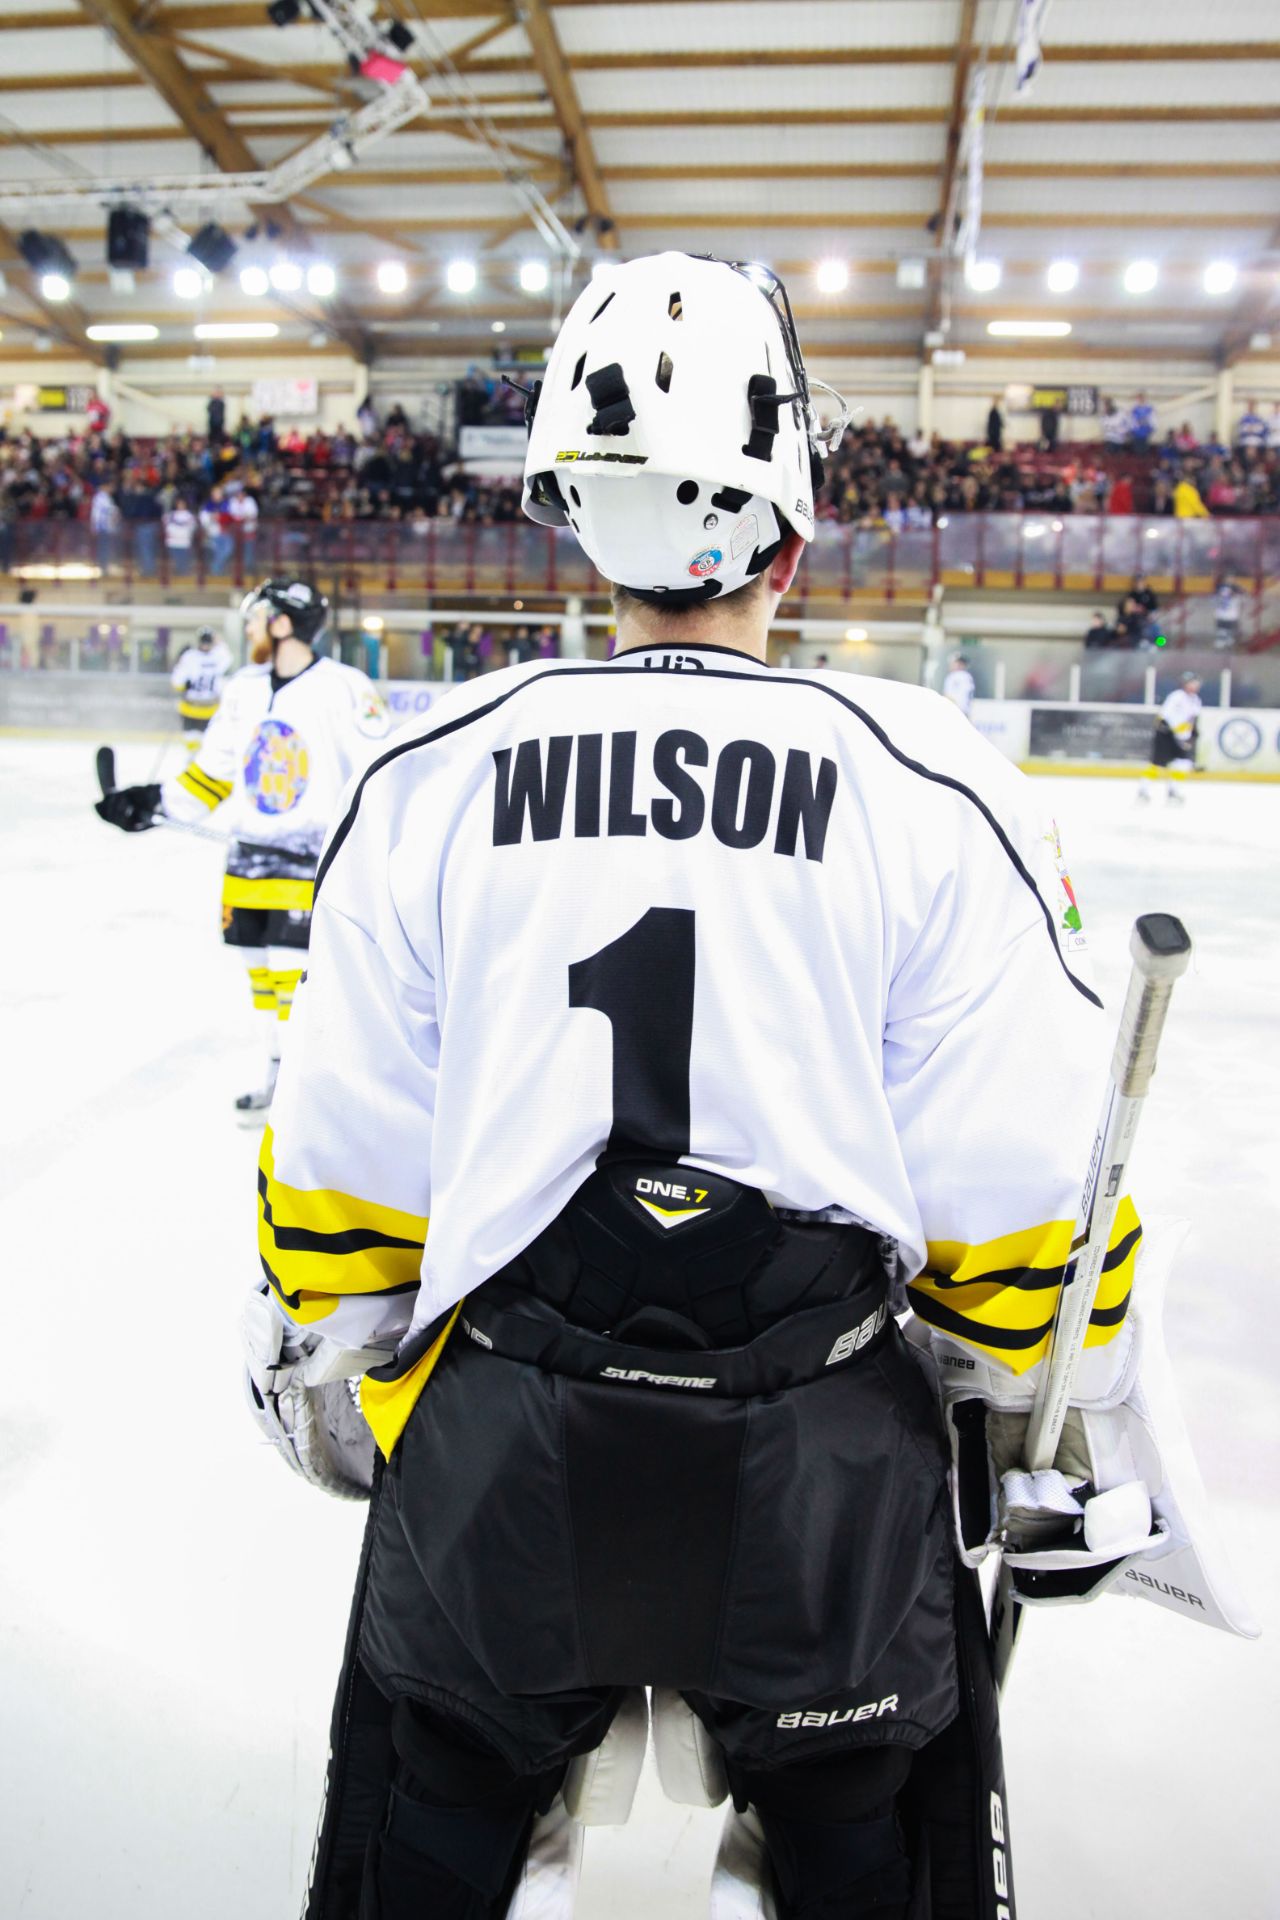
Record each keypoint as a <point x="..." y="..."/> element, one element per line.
<point x="254" y="281"/>
<point x="122" y="330"/>
<point x="236" y="330"/>
<point x="1219" y="278"/>
<point x="322" y="281"/>
<point x="285" y="276"/>
<point x="534" y="276"/>
<point x="832" y="276"/>
<point x="55" y="286"/>
<point x="189" y="283"/>
<point x="460" y="276"/>
<point x="983" y="275"/>
<point x="212" y="248"/>
<point x="392" y="277"/>
<point x="1029" y="329"/>
<point x="1140" y="276"/>
<point x="1062" y="276"/>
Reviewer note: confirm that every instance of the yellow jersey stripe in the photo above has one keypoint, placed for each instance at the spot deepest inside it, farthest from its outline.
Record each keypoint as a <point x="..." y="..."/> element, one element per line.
<point x="209" y="780"/>
<point x="189" y="710"/>
<point x="287" y="896"/>
<point x="387" y="1402"/>
<point x="199" y="791"/>
<point x="1001" y="1295"/>
<point x="317" y="1245"/>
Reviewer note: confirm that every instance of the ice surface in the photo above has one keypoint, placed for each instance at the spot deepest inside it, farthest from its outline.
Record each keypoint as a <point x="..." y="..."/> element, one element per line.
<point x="172" y="1602"/>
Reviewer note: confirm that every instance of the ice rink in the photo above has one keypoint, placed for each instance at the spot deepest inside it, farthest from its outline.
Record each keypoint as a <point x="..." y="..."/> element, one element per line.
<point x="173" y="1602"/>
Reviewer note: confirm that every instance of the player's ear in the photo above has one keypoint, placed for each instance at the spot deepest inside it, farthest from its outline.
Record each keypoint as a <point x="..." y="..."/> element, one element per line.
<point x="782" y="571"/>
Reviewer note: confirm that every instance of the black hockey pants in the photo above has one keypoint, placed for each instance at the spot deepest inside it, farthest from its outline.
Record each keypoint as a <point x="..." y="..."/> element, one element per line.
<point x="705" y="1461"/>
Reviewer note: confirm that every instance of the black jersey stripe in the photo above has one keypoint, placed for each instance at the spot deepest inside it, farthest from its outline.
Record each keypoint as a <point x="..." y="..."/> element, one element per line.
<point x="621" y="674"/>
<point x="1021" y="1279"/>
<point x="309" y="1240"/>
<point x="1122" y="1249"/>
<point x="977" y="1332"/>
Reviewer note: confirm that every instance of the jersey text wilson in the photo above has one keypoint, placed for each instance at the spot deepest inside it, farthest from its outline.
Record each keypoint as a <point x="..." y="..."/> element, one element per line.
<point x="740" y="799"/>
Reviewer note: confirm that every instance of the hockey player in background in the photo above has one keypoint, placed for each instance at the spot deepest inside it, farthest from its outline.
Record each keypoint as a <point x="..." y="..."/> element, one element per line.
<point x="290" y="731"/>
<point x="959" y="686"/>
<point x="197" y="680"/>
<point x="1173" y="744"/>
<point x="713" y="1014"/>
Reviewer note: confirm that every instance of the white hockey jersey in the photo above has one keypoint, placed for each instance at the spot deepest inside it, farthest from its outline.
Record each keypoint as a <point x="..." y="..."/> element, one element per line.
<point x="959" y="687"/>
<point x="1180" y="712"/>
<point x="197" y="679"/>
<point x="278" y="754"/>
<point x="802" y="929"/>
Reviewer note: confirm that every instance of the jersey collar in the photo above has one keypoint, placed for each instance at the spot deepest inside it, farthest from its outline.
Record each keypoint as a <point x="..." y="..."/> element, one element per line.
<point x="668" y="654"/>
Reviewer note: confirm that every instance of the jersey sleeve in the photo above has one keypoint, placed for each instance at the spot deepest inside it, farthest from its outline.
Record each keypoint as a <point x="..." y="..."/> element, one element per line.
<point x="344" y="1178"/>
<point x="996" y="1054"/>
<point x="207" y="780"/>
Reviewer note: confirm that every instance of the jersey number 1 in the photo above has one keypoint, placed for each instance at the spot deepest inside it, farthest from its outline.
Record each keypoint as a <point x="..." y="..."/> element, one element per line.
<point x="643" y="984"/>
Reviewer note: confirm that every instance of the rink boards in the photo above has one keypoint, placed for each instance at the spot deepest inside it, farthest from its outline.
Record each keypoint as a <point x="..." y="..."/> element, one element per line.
<point x="1043" y="736"/>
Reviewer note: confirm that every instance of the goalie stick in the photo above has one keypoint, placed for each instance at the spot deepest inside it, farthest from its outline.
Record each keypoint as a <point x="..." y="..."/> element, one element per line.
<point x="105" y="764"/>
<point x="1161" y="950"/>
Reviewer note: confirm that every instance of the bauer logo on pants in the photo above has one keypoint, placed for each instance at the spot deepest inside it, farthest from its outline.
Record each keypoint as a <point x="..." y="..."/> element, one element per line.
<point x="277" y="767"/>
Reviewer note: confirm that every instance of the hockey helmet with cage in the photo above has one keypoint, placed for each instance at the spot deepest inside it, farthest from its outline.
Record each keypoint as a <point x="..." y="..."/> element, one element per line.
<point x="205" y="637"/>
<point x="676" y="432"/>
<point x="306" y="606"/>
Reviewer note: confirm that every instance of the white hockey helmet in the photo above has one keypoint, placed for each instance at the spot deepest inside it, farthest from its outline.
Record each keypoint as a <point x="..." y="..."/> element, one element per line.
<point x="675" y="431"/>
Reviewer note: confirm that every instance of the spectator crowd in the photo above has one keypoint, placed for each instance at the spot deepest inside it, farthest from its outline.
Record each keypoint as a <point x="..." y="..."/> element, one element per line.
<point x="206" y="493"/>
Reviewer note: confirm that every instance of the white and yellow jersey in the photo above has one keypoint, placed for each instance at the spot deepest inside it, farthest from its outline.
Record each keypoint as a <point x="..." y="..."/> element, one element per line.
<point x="802" y="929"/>
<point x="197" y="680"/>
<point x="277" y="755"/>
<point x="1180" y="712"/>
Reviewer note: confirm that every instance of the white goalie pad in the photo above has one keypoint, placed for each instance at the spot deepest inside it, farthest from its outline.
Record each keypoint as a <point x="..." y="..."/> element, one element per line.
<point x="548" y="1886"/>
<point x="740" y="1885"/>
<point x="1192" y="1576"/>
<point x="690" y="1763"/>
<point x="599" y="1790"/>
<point x="600" y="1787"/>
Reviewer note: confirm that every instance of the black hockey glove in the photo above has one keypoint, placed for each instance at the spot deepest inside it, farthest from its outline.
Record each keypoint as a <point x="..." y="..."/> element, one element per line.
<point x="132" y="809"/>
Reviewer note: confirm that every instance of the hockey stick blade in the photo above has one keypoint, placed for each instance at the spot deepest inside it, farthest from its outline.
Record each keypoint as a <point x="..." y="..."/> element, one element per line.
<point x="105" y="763"/>
<point x="1160" y="948"/>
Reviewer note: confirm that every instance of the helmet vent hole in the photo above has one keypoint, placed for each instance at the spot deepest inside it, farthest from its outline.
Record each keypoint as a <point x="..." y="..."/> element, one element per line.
<point x="603" y="304"/>
<point x="577" y="373"/>
<point x="675" y="307"/>
<point x="575" y="496"/>
<point x="687" y="492"/>
<point x="663" y="375"/>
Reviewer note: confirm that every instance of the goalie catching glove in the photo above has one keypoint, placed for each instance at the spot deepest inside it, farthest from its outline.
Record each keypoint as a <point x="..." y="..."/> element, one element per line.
<point x="300" y="1389"/>
<point x="1106" y="1514"/>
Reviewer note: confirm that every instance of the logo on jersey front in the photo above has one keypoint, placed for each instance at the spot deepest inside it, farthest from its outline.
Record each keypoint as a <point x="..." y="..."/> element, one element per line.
<point x="669" y="1202"/>
<point x="1070" y="927"/>
<point x="372" y="718"/>
<point x="277" y="767"/>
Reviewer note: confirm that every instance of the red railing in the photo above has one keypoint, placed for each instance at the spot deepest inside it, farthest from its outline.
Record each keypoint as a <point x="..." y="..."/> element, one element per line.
<point x="1041" y="552"/>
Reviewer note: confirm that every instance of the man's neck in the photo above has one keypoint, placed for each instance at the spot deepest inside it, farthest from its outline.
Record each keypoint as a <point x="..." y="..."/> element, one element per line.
<point x="292" y="657"/>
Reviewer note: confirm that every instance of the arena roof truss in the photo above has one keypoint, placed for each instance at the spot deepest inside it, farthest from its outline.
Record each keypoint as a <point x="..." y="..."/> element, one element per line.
<point x="572" y="131"/>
